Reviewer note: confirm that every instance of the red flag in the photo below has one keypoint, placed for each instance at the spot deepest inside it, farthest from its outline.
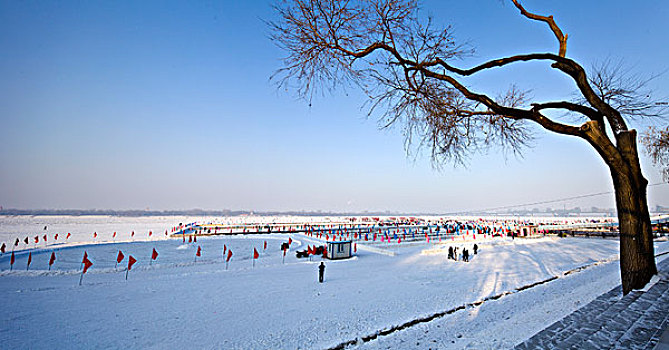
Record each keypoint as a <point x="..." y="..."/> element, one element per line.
<point x="284" y="251"/>
<point x="87" y="263"/>
<point x="154" y="255"/>
<point x="119" y="257"/>
<point x="229" y="255"/>
<point x="52" y="259"/>
<point x="150" y="233"/>
<point x="16" y="243"/>
<point x="195" y="238"/>
<point x="30" y="259"/>
<point x="225" y="248"/>
<point x="255" y="253"/>
<point x="199" y="251"/>
<point x="290" y="241"/>
<point x="95" y="234"/>
<point x="309" y="250"/>
<point x="68" y="235"/>
<point x="25" y="240"/>
<point x="355" y="247"/>
<point x="264" y="245"/>
<point x="114" y="235"/>
<point x="11" y="260"/>
<point x="165" y="232"/>
<point x="132" y="234"/>
<point x="44" y="238"/>
<point x="131" y="261"/>
<point x="190" y="239"/>
<point x="2" y="248"/>
<point x="55" y="237"/>
<point x="325" y="251"/>
<point x="36" y="239"/>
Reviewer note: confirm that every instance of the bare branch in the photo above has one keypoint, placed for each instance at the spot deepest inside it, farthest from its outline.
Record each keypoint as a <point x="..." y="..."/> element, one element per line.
<point x="628" y="93"/>
<point x="402" y="63"/>
<point x="509" y="112"/>
<point x="656" y="144"/>
<point x="584" y="110"/>
<point x="562" y="38"/>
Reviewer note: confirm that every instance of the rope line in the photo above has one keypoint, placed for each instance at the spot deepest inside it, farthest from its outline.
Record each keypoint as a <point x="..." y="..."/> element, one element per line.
<point x="544" y="202"/>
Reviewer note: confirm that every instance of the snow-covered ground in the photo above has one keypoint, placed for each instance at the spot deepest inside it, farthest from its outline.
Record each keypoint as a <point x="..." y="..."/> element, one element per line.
<point x="180" y="303"/>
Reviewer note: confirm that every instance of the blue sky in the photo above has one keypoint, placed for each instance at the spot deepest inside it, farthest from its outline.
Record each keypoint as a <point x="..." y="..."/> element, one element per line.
<point x="168" y="105"/>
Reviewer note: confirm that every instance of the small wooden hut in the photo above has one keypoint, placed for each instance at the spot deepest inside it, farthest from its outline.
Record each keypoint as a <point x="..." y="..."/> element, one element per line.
<point x="339" y="250"/>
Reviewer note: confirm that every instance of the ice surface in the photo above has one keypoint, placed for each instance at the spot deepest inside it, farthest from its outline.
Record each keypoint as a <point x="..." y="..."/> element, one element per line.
<point x="179" y="303"/>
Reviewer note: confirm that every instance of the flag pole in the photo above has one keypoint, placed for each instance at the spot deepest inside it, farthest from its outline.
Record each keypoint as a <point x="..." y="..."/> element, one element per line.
<point x="81" y="277"/>
<point x="126" y="274"/>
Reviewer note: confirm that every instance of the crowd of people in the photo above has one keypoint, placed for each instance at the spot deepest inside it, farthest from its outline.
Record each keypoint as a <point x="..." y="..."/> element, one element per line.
<point x="464" y="256"/>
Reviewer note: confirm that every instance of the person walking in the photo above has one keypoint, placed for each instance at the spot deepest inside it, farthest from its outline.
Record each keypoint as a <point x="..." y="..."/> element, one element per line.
<point x="476" y="249"/>
<point x="321" y="272"/>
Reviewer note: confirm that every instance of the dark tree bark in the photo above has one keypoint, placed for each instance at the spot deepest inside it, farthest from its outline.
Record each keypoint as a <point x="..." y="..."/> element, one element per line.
<point x="397" y="58"/>
<point x="637" y="258"/>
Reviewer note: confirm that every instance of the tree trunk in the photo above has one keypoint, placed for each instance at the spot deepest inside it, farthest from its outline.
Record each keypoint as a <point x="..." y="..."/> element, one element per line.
<point x="637" y="258"/>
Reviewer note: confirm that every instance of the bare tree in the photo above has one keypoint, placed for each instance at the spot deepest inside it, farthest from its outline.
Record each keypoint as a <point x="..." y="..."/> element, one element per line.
<point x="656" y="142"/>
<point x="404" y="64"/>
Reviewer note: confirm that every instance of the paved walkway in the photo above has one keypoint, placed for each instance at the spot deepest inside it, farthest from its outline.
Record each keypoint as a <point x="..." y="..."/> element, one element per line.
<point x="639" y="320"/>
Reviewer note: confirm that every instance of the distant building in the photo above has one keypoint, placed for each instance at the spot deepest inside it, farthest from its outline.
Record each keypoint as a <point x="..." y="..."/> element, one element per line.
<point x="339" y="250"/>
<point x="528" y="231"/>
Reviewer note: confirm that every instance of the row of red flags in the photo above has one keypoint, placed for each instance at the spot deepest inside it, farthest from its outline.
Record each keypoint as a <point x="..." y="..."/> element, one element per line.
<point x="86" y="263"/>
<point x="45" y="238"/>
<point x="27" y="241"/>
<point x="120" y="256"/>
<point x="12" y="259"/>
<point x="132" y="260"/>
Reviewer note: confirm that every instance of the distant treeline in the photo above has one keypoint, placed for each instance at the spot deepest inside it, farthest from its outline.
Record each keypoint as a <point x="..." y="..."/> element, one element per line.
<point x="191" y="212"/>
<point x="226" y="212"/>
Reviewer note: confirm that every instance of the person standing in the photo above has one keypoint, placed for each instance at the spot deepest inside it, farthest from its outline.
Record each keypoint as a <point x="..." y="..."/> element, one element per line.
<point x="321" y="272"/>
<point x="476" y="249"/>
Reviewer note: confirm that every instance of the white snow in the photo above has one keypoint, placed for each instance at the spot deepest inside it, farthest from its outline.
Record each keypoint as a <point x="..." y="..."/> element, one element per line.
<point x="179" y="303"/>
